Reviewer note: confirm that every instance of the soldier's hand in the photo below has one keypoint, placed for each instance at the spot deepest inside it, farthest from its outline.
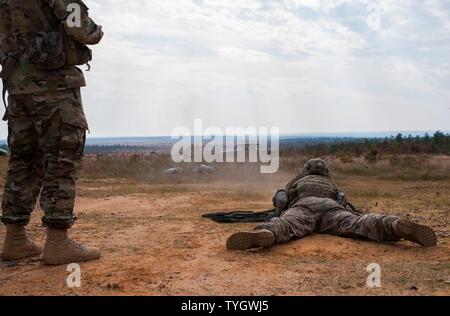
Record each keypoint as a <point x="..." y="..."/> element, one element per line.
<point x="96" y="36"/>
<point x="2" y="58"/>
<point x="342" y="199"/>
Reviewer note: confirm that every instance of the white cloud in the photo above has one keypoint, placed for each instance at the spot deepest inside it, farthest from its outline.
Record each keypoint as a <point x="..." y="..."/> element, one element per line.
<point x="302" y="65"/>
<point x="243" y="55"/>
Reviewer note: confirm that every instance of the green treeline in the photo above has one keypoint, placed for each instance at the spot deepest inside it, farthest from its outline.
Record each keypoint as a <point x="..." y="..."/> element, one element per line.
<point x="439" y="143"/>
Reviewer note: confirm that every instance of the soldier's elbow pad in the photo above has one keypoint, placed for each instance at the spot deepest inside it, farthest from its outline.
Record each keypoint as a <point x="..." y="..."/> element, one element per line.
<point x="280" y="200"/>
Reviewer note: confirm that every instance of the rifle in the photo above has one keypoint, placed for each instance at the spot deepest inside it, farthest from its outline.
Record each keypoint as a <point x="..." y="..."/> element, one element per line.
<point x="257" y="217"/>
<point x="242" y="216"/>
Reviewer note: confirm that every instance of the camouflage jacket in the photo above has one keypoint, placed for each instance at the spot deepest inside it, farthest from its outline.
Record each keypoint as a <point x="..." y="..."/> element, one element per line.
<point x="19" y="24"/>
<point x="311" y="186"/>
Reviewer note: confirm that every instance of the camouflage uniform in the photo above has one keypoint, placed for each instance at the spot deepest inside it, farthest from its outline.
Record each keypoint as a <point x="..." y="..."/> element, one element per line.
<point x="46" y="121"/>
<point x="313" y="209"/>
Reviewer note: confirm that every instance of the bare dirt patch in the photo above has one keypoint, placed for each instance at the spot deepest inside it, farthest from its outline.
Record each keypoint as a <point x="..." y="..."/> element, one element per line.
<point x="155" y="242"/>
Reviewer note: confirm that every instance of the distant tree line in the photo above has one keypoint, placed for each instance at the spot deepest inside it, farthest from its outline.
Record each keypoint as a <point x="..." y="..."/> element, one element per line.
<point x="439" y="143"/>
<point x="108" y="149"/>
<point x="105" y="149"/>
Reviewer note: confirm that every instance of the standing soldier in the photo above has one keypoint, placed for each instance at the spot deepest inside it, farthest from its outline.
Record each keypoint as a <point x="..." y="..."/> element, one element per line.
<point x="312" y="203"/>
<point x="41" y="42"/>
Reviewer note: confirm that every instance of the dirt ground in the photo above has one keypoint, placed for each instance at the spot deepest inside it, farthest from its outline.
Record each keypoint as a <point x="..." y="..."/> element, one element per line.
<point x="155" y="242"/>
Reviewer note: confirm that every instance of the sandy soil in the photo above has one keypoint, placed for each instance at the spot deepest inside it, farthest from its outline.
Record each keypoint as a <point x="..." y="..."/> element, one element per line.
<point x="154" y="242"/>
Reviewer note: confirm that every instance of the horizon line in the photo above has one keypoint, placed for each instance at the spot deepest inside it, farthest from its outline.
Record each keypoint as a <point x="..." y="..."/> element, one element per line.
<point x="296" y="134"/>
<point x="404" y="132"/>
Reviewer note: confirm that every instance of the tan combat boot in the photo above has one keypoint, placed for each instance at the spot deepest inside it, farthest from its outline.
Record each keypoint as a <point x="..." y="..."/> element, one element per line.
<point x="17" y="245"/>
<point x="422" y="235"/>
<point x="59" y="249"/>
<point x="261" y="238"/>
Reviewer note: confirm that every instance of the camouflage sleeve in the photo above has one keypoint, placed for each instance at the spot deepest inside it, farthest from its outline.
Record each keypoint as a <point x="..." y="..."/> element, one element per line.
<point x="6" y="35"/>
<point x="290" y="186"/>
<point x="86" y="32"/>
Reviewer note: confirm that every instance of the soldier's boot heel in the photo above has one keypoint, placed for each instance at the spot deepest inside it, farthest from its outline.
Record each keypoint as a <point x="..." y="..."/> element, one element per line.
<point x="60" y="249"/>
<point x="420" y="234"/>
<point x="18" y="245"/>
<point x="261" y="238"/>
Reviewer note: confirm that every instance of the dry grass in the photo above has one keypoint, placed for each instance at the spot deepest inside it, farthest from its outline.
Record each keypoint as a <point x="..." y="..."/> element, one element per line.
<point x="150" y="169"/>
<point x="127" y="172"/>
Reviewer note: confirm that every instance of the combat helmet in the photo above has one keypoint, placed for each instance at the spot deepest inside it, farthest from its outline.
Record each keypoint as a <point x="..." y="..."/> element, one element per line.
<point x="316" y="166"/>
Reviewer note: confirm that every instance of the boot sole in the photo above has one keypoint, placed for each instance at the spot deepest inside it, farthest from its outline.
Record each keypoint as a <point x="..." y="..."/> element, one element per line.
<point x="6" y="257"/>
<point x="61" y="261"/>
<point x="420" y="234"/>
<point x="249" y="240"/>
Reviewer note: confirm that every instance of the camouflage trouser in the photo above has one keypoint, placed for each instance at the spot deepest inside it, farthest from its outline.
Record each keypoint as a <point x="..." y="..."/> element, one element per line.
<point x="326" y="216"/>
<point x="46" y="136"/>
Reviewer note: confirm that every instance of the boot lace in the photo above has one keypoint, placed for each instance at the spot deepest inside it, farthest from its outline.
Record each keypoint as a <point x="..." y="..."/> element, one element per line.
<point x="77" y="244"/>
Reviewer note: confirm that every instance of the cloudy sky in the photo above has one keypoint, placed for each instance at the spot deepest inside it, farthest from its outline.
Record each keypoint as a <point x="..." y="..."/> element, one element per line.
<point x="301" y="65"/>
